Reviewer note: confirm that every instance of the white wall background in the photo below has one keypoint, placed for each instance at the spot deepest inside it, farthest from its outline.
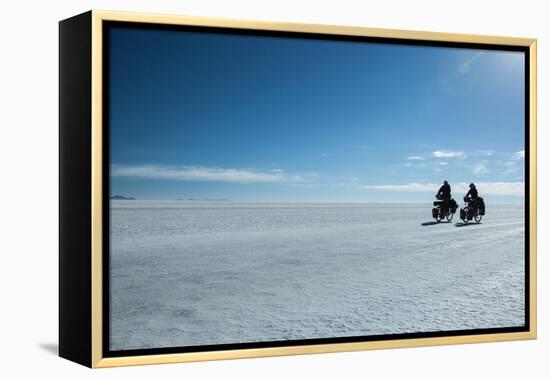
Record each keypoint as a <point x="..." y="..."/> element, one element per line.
<point x="28" y="189"/>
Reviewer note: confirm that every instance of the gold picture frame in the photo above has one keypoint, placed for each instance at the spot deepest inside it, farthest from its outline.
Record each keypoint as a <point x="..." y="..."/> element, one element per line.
<point x="90" y="331"/>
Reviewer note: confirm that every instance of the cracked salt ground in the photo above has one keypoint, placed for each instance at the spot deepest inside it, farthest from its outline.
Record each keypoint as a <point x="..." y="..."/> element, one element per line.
<point x="210" y="273"/>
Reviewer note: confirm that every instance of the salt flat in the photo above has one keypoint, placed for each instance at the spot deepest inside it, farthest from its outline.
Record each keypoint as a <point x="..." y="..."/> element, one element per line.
<point x="198" y="273"/>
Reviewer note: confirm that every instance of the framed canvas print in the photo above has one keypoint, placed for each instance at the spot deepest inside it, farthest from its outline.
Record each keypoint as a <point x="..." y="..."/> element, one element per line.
<point x="235" y="189"/>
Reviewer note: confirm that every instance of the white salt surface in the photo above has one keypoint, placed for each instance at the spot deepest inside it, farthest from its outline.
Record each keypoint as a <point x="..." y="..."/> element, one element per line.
<point x="199" y="273"/>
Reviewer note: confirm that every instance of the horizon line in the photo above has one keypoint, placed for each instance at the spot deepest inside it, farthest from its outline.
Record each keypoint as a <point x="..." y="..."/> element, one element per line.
<point x="294" y="201"/>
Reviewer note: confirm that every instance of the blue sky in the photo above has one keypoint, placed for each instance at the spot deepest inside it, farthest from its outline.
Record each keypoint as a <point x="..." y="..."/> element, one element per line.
<point x="276" y="119"/>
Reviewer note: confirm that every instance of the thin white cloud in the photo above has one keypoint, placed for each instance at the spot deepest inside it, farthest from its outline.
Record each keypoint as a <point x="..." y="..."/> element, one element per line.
<point x="511" y="167"/>
<point x="481" y="168"/>
<point x="519" y="155"/>
<point x="511" y="170"/>
<point x="465" y="67"/>
<point x="513" y="164"/>
<point x="487" y="152"/>
<point x="448" y="154"/>
<point x="491" y="188"/>
<point x="412" y="187"/>
<point x="415" y="158"/>
<point x="191" y="173"/>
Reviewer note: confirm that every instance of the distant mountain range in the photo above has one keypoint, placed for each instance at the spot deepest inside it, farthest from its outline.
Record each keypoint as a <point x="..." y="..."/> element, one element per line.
<point x="117" y="197"/>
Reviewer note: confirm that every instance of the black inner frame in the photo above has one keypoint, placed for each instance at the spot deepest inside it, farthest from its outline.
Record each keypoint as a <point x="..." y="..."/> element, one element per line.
<point x="107" y="25"/>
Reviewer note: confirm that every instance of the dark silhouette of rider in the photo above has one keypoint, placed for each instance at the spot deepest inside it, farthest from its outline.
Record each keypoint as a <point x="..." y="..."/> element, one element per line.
<point x="444" y="192"/>
<point x="472" y="193"/>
